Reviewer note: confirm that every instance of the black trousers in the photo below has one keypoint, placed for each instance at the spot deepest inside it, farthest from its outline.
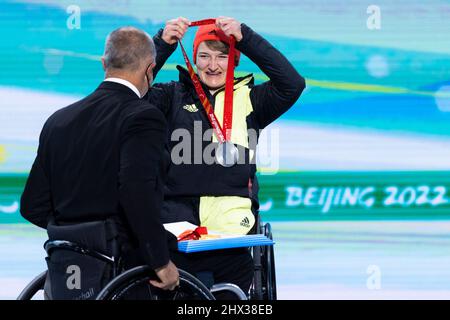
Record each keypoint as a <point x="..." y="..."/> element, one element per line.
<point x="228" y="265"/>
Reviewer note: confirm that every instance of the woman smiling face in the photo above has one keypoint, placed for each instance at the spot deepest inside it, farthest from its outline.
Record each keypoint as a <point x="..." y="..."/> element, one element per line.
<point x="212" y="63"/>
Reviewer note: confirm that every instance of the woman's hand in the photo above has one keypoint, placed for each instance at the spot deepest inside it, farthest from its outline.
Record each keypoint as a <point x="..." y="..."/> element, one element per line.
<point x="230" y="26"/>
<point x="175" y="30"/>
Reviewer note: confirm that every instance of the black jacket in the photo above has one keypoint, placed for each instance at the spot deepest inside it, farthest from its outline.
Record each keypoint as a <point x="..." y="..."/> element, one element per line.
<point x="269" y="100"/>
<point x="99" y="158"/>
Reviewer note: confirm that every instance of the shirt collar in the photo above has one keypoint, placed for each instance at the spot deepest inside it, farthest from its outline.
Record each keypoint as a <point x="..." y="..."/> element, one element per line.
<point x="125" y="83"/>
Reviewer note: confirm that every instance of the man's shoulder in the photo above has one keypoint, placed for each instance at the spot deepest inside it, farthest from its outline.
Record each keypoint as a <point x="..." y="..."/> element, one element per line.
<point x="96" y="98"/>
<point x="140" y="105"/>
<point x="64" y="113"/>
<point x="142" y="111"/>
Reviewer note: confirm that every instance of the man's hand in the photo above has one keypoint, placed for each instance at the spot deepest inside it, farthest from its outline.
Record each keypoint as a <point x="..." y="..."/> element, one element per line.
<point x="175" y="30"/>
<point x="230" y="26"/>
<point x="168" y="276"/>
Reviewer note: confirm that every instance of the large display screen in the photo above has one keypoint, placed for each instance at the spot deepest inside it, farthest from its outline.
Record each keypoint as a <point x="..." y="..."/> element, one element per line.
<point x="368" y="139"/>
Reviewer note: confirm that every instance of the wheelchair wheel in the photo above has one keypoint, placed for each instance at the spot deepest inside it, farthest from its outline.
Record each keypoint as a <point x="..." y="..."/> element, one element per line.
<point x="256" y="291"/>
<point x="33" y="287"/>
<point x="264" y="280"/>
<point x="268" y="263"/>
<point x="264" y="285"/>
<point x="190" y="287"/>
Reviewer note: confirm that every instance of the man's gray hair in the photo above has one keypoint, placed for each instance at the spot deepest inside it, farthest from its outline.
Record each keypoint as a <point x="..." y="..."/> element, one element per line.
<point x="127" y="48"/>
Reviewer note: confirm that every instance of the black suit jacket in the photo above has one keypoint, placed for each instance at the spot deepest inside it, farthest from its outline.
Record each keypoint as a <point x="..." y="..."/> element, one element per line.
<point x="98" y="158"/>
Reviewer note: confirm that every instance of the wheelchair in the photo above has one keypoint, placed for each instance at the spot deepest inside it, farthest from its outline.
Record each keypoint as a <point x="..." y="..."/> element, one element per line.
<point x="190" y="287"/>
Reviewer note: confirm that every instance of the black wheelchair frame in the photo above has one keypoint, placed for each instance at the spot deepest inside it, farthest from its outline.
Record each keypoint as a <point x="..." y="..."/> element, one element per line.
<point x="263" y="286"/>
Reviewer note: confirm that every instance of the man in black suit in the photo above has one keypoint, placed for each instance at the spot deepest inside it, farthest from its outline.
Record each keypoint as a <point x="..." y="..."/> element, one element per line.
<point x="101" y="157"/>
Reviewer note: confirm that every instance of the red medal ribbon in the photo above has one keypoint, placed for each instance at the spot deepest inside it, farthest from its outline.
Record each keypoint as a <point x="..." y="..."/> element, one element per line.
<point x="202" y="22"/>
<point x="222" y="134"/>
